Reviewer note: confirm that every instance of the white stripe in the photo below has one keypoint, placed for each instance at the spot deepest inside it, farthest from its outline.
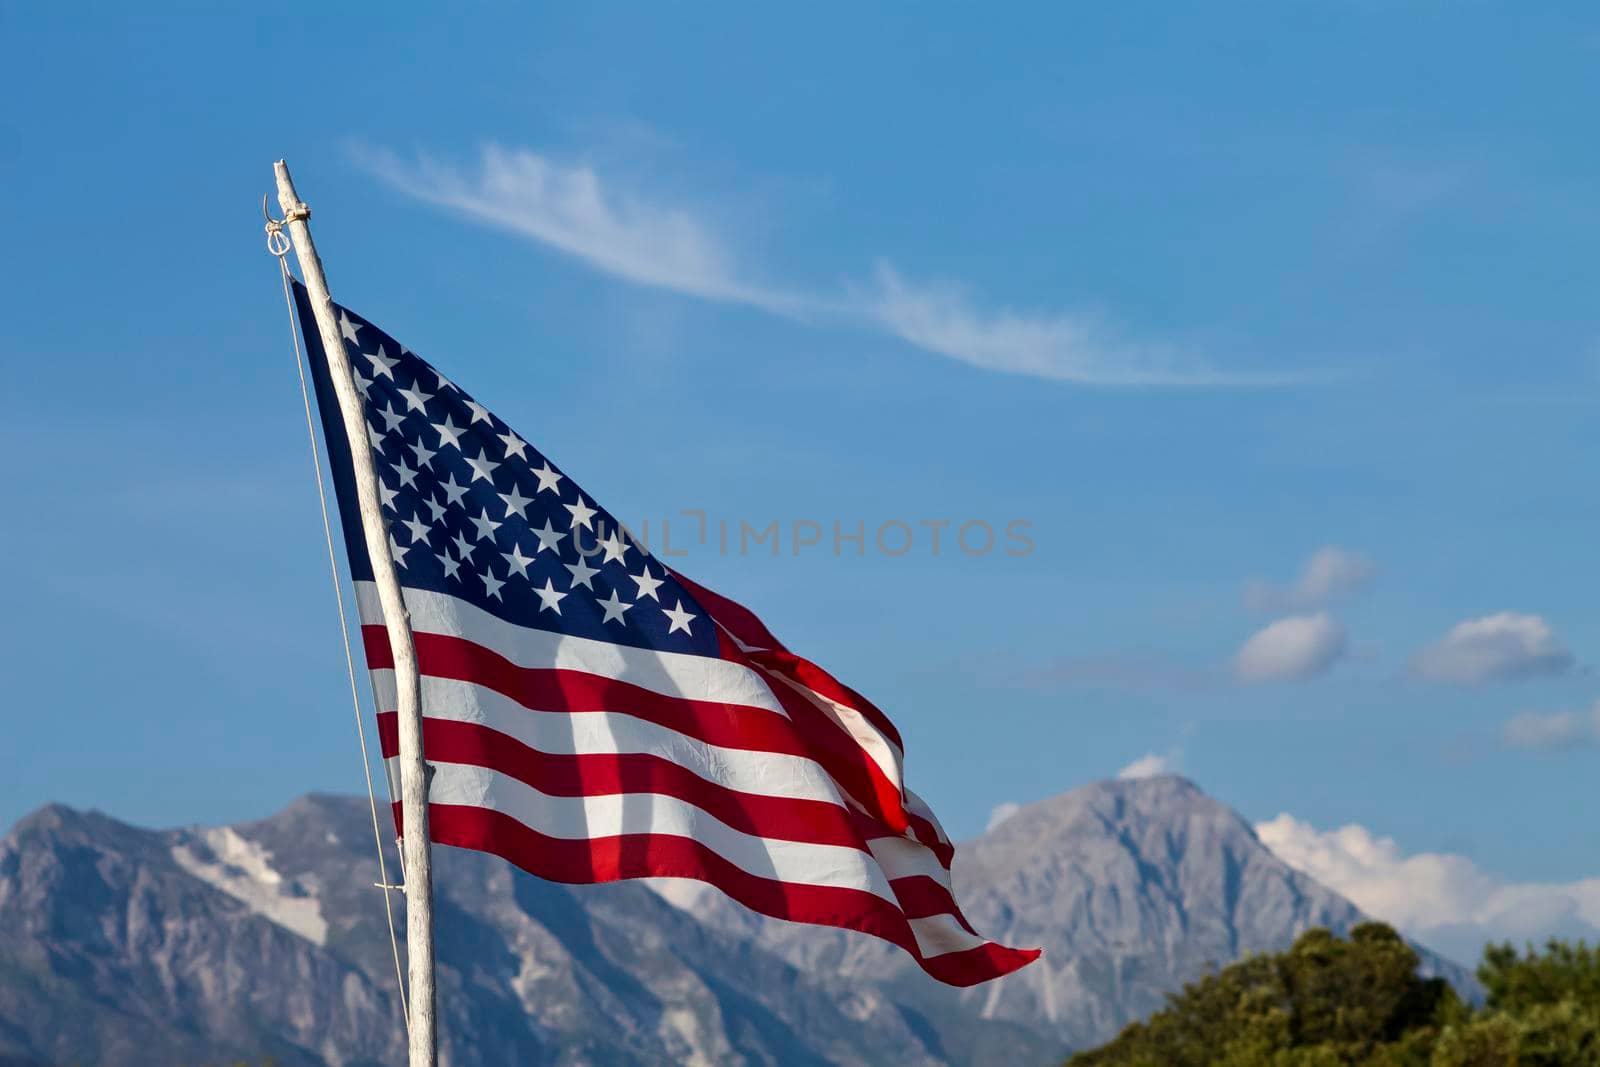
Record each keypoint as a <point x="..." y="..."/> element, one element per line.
<point x="673" y="674"/>
<point x="915" y="805"/>
<point x="939" y="934"/>
<point x="901" y="857"/>
<point x="770" y="774"/>
<point x="586" y="818"/>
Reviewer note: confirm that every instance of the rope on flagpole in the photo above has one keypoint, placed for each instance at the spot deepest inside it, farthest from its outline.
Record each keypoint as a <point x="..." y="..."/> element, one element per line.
<point x="278" y="244"/>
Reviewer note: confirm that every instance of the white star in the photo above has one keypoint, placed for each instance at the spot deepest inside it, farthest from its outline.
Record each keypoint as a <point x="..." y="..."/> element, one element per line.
<point x="551" y="600"/>
<point x="514" y="445"/>
<point x="363" y="383"/>
<point x="449" y="433"/>
<point x="382" y="365"/>
<point x="647" y="584"/>
<point x="419" y="531"/>
<point x="463" y="547"/>
<point x="375" y="436"/>
<point x="518" y="561"/>
<point x="615" y="548"/>
<point x="347" y="328"/>
<point x="444" y="383"/>
<point x="614" y="609"/>
<point x="423" y="453"/>
<point x="416" y="399"/>
<point x="388" y="494"/>
<point x="516" y="503"/>
<point x="582" y="513"/>
<point x="397" y="551"/>
<point x="548" y="479"/>
<point x="680" y="618"/>
<point x="581" y="574"/>
<point x="437" y="508"/>
<point x="486" y="526"/>
<point x="391" y="418"/>
<point x="451" y="565"/>
<point x="453" y="492"/>
<point x="407" y="476"/>
<point x="548" y="538"/>
<point x="481" y="468"/>
<point x="491" y="584"/>
<point x="479" y="413"/>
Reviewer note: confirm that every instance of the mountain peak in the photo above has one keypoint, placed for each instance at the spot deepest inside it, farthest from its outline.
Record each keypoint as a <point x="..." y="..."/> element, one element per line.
<point x="1156" y="792"/>
<point x="62" y="820"/>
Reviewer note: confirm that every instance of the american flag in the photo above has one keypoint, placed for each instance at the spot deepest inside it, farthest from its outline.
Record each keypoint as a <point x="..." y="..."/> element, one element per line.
<point x="592" y="715"/>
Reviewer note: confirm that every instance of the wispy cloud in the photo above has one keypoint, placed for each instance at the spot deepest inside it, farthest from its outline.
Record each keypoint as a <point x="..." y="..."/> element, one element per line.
<point x="1552" y="731"/>
<point x="1499" y="647"/>
<point x="942" y="318"/>
<point x="1329" y="575"/>
<point x="569" y="208"/>
<point x="1153" y="765"/>
<point x="649" y="241"/>
<point x="1001" y="813"/>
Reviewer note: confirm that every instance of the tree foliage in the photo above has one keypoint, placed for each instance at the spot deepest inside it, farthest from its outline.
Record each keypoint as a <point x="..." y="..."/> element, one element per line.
<point x="1358" y="1002"/>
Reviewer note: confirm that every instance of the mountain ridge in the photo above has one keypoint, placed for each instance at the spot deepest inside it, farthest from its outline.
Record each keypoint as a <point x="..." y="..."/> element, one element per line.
<point x="1132" y="887"/>
<point x="264" y="937"/>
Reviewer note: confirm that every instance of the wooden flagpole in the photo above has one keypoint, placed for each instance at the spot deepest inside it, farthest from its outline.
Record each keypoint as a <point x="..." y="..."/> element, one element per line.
<point x="415" y="850"/>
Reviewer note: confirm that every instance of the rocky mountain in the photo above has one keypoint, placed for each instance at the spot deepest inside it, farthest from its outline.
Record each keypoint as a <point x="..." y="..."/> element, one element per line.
<point x="123" y="946"/>
<point x="120" y="945"/>
<point x="1131" y="887"/>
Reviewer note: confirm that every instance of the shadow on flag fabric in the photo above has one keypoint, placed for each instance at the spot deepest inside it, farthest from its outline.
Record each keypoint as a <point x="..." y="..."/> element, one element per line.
<point x="592" y="715"/>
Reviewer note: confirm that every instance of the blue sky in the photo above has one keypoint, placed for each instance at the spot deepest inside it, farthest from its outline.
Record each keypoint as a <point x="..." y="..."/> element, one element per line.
<point x="1196" y="293"/>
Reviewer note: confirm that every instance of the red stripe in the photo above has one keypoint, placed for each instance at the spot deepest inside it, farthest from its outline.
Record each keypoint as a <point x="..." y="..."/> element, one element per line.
<point x="819" y="726"/>
<point x="609" y="859"/>
<point x="737" y="619"/>
<point x="815" y="822"/>
<point x="820" y="681"/>
<point x="978" y="964"/>
<point x="921" y="897"/>
<point x="769" y="651"/>
<point x="881" y="796"/>
<point x="818" y="723"/>
<point x="805" y="732"/>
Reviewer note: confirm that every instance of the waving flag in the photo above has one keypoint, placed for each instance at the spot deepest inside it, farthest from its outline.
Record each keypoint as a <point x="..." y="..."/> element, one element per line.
<point x="591" y="715"/>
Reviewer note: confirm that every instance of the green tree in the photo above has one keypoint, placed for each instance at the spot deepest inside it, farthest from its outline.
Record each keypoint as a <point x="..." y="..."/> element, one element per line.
<point x="1327" y="1002"/>
<point x="1518" y="981"/>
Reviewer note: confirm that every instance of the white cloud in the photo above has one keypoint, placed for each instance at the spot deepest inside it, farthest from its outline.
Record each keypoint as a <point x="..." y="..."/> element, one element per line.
<point x="1330" y="573"/>
<point x="1153" y="764"/>
<point x="669" y="246"/>
<point x="1001" y="813"/>
<point x="1551" y="731"/>
<point x="1076" y="348"/>
<point x="1443" y="900"/>
<point x="569" y="208"/>
<point x="1494" y="648"/>
<point x="1298" y="647"/>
